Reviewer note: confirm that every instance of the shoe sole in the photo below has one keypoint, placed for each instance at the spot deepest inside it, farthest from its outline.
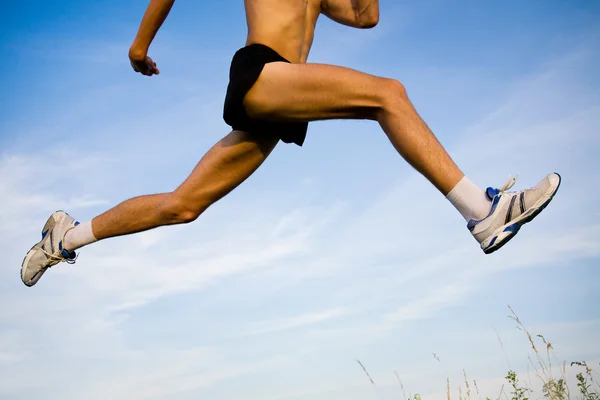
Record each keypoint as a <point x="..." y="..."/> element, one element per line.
<point x="506" y="232"/>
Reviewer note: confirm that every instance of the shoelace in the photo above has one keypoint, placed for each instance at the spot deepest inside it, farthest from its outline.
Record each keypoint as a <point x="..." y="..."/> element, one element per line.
<point x="58" y="258"/>
<point x="509" y="183"/>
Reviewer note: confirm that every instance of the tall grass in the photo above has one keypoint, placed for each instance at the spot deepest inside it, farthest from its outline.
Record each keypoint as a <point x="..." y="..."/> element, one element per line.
<point x="552" y="376"/>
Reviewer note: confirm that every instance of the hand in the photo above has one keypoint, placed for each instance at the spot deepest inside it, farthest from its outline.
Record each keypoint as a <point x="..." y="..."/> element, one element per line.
<point x="144" y="65"/>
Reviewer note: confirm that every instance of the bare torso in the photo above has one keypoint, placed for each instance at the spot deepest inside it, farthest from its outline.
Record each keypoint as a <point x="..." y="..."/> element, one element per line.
<point x="287" y="26"/>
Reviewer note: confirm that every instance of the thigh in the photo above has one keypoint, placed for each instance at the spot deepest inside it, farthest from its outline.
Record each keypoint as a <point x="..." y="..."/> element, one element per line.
<point x="310" y="92"/>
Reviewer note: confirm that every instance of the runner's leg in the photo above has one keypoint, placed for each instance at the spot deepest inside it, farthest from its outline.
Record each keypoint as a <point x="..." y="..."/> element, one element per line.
<point x="301" y="92"/>
<point x="225" y="166"/>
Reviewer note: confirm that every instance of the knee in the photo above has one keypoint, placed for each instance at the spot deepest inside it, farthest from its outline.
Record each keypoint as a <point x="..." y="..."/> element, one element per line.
<point x="393" y="93"/>
<point x="175" y="211"/>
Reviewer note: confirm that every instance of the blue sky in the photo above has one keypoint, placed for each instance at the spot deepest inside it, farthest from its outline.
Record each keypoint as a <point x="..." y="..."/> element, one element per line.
<point x="332" y="252"/>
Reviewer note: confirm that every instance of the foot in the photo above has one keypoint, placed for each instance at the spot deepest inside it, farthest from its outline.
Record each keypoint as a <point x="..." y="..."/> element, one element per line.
<point x="510" y="211"/>
<point x="49" y="251"/>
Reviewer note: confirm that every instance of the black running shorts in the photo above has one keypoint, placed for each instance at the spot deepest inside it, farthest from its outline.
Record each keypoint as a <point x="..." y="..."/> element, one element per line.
<point x="246" y="66"/>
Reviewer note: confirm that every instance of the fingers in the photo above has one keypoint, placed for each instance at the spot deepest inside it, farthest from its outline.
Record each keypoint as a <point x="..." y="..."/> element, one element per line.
<point x="150" y="70"/>
<point x="151" y="67"/>
<point x="146" y="67"/>
<point x="147" y="72"/>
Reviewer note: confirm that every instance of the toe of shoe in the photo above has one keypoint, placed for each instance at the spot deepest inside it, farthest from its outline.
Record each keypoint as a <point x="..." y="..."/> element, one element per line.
<point x="554" y="179"/>
<point x="32" y="268"/>
<point x="32" y="277"/>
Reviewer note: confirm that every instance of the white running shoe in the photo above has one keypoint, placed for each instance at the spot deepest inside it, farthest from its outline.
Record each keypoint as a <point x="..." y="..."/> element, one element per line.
<point x="511" y="210"/>
<point x="49" y="251"/>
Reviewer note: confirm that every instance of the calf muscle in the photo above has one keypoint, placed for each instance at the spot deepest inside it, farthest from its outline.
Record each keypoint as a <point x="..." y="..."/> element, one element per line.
<point x="224" y="167"/>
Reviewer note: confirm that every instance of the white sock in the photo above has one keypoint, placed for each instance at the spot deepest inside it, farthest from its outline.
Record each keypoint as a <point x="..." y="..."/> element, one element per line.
<point x="79" y="236"/>
<point x="470" y="201"/>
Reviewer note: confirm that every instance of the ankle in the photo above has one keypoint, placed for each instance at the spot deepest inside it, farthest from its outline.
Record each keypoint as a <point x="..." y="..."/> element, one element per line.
<point x="469" y="200"/>
<point x="79" y="236"/>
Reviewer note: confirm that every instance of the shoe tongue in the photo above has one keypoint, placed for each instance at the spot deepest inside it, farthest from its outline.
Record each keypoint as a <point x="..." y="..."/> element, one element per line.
<point x="491" y="193"/>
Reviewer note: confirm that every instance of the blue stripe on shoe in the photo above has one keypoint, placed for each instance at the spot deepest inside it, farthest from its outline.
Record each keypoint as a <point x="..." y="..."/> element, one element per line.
<point x="69" y="256"/>
<point x="491" y="193"/>
<point x="512" y="228"/>
<point x="472" y="223"/>
<point x="45" y="233"/>
<point x="510" y="208"/>
<point x="522" y="202"/>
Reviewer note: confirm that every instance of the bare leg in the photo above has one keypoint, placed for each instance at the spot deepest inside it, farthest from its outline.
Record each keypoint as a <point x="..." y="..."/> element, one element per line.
<point x="223" y="168"/>
<point x="308" y="92"/>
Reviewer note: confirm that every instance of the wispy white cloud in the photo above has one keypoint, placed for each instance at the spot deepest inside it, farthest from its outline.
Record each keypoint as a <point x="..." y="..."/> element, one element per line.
<point x="295" y="322"/>
<point x="370" y="278"/>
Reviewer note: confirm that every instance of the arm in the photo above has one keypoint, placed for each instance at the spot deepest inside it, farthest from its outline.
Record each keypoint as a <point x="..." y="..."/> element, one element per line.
<point x="155" y="15"/>
<point x="355" y="13"/>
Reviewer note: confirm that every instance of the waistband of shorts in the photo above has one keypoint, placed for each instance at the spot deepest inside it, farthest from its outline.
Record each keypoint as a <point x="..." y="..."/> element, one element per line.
<point x="261" y="48"/>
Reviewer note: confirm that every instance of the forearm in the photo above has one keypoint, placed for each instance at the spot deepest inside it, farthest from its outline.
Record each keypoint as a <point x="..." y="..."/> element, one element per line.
<point x="155" y="15"/>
